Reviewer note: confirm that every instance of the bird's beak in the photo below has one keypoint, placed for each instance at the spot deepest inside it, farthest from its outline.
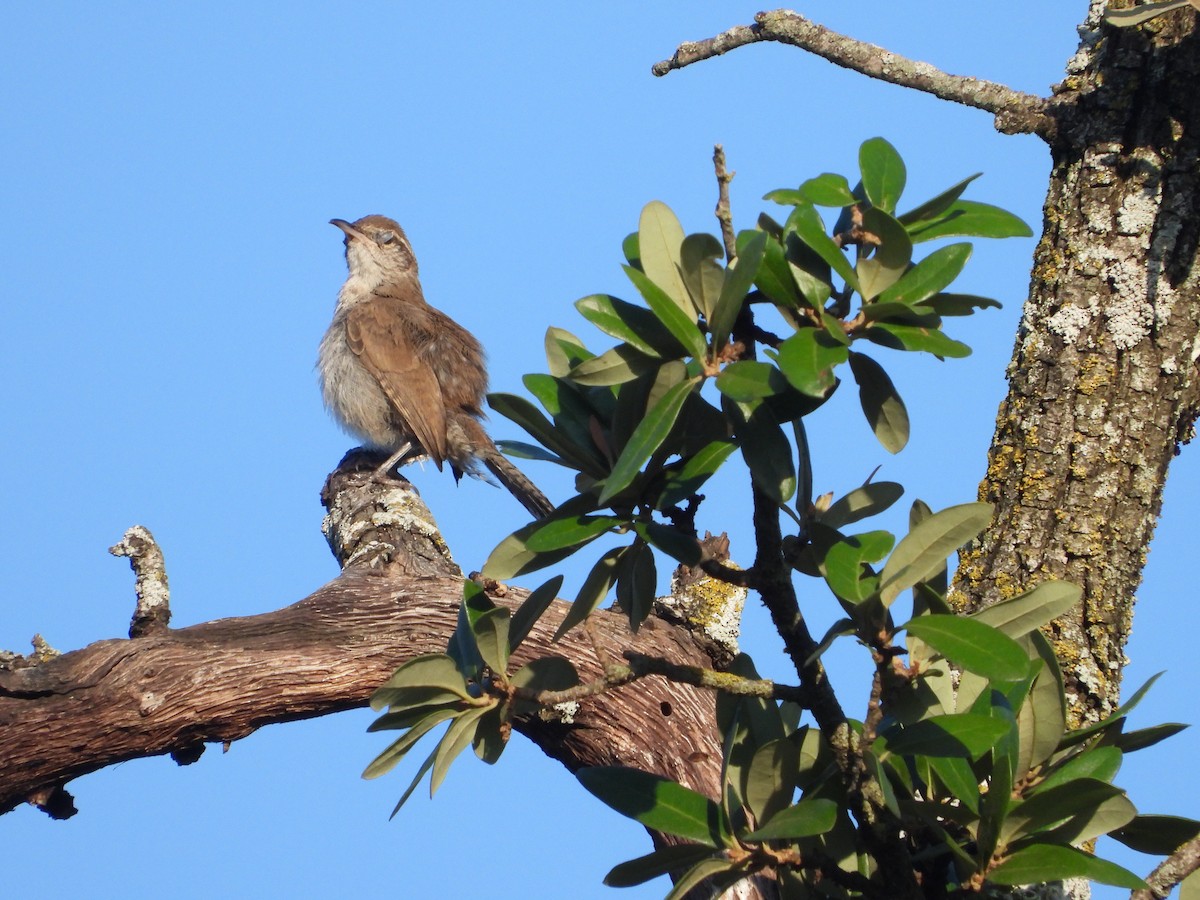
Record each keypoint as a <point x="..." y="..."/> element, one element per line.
<point x="346" y="227"/>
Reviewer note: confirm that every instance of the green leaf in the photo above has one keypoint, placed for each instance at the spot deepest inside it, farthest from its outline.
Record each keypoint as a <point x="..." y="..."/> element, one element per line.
<point x="663" y="861"/>
<point x="633" y="324"/>
<point x="397" y="750"/>
<point x="827" y="189"/>
<point x="1159" y="835"/>
<point x="1042" y="718"/>
<point x="412" y="786"/>
<point x="1040" y="863"/>
<point x="722" y="871"/>
<point x="739" y="278"/>
<point x="846" y="561"/>
<point x="491" y="637"/>
<point x="923" y="550"/>
<point x="1189" y="888"/>
<point x="840" y="628"/>
<point x="766" y="451"/>
<point x="967" y="218"/>
<point x="774" y="277"/>
<point x="883" y="173"/>
<point x="885" y="411"/>
<point x="769" y="779"/>
<point x="491" y="734"/>
<point x="702" y="274"/>
<point x="569" y="531"/>
<point x="932" y="209"/>
<point x="861" y="503"/>
<point x="456" y="739"/>
<point x="646" y="438"/>
<point x="1148" y="737"/>
<point x="670" y="540"/>
<point x="959" y="779"/>
<point x="525" y="414"/>
<point x="896" y="336"/>
<point x="657" y="803"/>
<point x="512" y="557"/>
<point x="749" y="379"/>
<point x="958" y="735"/>
<point x="637" y="579"/>
<point x="531" y="610"/>
<point x="616" y="366"/>
<point x="807" y="225"/>
<point x="1123" y="710"/>
<point x="888" y="263"/>
<point x="957" y="304"/>
<point x="564" y="351"/>
<point x="546" y="673"/>
<point x="595" y="588"/>
<point x="807" y="359"/>
<point x="430" y="670"/>
<point x="806" y="818"/>
<point x="973" y="646"/>
<point x="930" y="276"/>
<point x="1020" y="615"/>
<point x="1101" y="763"/>
<point x="660" y="239"/>
<point x="680" y="323"/>
<point x="1049" y="808"/>
<point x="521" y="450"/>
<point x="686" y="481"/>
<point x="631" y="250"/>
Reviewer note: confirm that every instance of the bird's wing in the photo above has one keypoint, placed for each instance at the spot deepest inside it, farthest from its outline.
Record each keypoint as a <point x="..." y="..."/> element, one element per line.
<point x="379" y="339"/>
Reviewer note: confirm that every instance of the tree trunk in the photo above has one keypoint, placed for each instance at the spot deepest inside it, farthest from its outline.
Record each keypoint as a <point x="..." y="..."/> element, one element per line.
<point x="1102" y="384"/>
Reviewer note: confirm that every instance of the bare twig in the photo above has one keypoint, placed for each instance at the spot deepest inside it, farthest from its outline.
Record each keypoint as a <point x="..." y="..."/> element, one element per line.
<point x="1170" y="872"/>
<point x="723" y="211"/>
<point x="1015" y="112"/>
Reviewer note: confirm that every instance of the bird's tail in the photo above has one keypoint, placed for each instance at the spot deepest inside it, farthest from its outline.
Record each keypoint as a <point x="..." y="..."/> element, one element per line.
<point x="518" y="484"/>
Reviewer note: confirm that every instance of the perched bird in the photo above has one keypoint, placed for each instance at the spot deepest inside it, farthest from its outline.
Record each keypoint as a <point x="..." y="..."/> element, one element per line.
<point x="402" y="376"/>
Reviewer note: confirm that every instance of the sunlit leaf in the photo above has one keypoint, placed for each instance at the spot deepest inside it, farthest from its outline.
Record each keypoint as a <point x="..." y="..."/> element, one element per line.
<point x="663" y="861"/>
<point x="657" y="803"/>
<point x="807" y="224"/>
<point x="806" y="818"/>
<point x="828" y="189"/>
<point x="660" y="238"/>
<point x="681" y="323"/>
<point x="962" y="734"/>
<point x="973" y="646"/>
<point x="635" y="325"/>
<point x="887" y="265"/>
<point x="930" y="276"/>
<point x="684" y="482"/>
<point x="845" y="561"/>
<point x="1020" y="615"/>
<point x="739" y="278"/>
<point x="564" y="351"/>
<point x="569" y="531"/>
<point x="967" y="218"/>
<point x="808" y="358"/>
<point x="897" y="336"/>
<point x="883" y="173"/>
<point x="931" y="209"/>
<point x="750" y="379"/>
<point x="702" y="274"/>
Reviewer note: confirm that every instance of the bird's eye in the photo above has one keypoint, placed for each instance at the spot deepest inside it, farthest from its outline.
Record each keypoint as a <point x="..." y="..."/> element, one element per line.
<point x="386" y="237"/>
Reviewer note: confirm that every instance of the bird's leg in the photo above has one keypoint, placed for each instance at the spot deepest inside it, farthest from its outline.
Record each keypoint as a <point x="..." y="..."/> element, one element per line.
<point x="383" y="472"/>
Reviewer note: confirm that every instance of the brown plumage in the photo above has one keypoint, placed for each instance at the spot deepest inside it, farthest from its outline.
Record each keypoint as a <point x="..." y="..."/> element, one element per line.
<point x="402" y="376"/>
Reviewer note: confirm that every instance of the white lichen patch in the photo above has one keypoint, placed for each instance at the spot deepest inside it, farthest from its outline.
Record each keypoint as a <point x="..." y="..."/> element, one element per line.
<point x="1136" y="215"/>
<point x="1069" y="321"/>
<point x="1129" y="316"/>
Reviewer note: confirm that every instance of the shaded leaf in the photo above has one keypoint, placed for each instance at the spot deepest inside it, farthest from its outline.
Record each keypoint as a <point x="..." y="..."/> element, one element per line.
<point x="862" y="502"/>
<point x="595" y="588"/>
<point x="531" y="610"/>
<point x="646" y="438"/>
<point x="808" y="227"/>
<point x="1160" y="835"/>
<point x="491" y="637"/>
<point x="521" y="450"/>
<point x="633" y="324"/>
<point x="663" y="861"/>
<point x="932" y="209"/>
<point x="897" y="336"/>
<point x="1020" y="615"/>
<point x="958" y="304"/>
<point x="675" y="543"/>
<point x="702" y="274"/>
<point x="525" y="414"/>
<point x="891" y="257"/>
<point x="456" y="739"/>
<point x="958" y="735"/>
<point x="637" y="578"/>
<point x="739" y="278"/>
<point x="769" y="783"/>
<point x="721" y="870"/>
<point x="881" y="403"/>
<point x="1147" y="737"/>
<point x="767" y="453"/>
<point x="397" y="750"/>
<point x="924" y="549"/>
<point x="430" y="670"/>
<point x="685" y="481"/>
<point x="569" y="531"/>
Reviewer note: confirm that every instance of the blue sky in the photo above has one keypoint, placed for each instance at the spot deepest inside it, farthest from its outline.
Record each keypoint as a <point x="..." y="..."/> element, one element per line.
<point x="168" y="273"/>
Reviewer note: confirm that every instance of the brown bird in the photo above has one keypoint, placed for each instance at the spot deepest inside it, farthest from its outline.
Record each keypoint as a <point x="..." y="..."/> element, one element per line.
<point x="402" y="376"/>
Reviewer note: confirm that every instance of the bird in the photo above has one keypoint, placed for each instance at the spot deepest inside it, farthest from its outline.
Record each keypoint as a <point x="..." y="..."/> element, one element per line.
<point x="402" y="376"/>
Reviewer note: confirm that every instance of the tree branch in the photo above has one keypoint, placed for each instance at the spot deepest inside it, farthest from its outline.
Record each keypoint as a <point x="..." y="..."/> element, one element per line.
<point x="1015" y="112"/>
<point x="1170" y="872"/>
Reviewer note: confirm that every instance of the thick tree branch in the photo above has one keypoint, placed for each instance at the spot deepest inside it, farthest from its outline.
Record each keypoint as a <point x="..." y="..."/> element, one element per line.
<point x="172" y="691"/>
<point x="1015" y="112"/>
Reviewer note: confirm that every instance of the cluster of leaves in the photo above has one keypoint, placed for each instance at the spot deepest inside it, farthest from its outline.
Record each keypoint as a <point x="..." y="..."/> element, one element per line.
<point x="469" y="686"/>
<point x="986" y="781"/>
<point x="634" y="422"/>
<point x="983" y="783"/>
